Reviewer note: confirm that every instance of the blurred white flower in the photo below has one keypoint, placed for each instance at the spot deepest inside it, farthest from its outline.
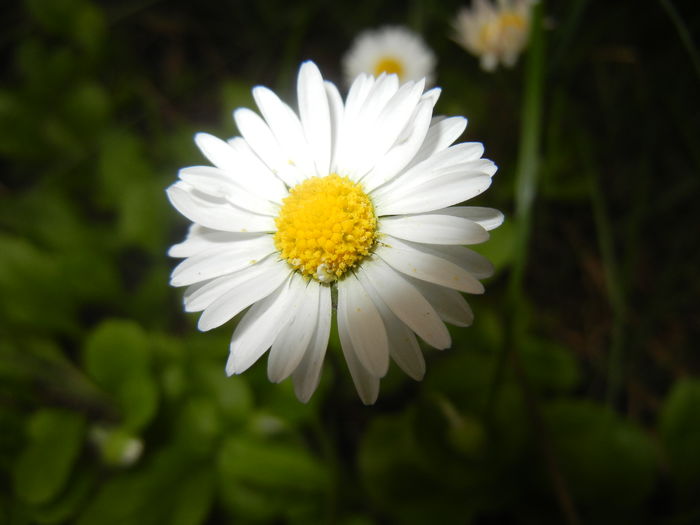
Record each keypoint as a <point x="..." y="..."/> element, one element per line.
<point x="494" y="33"/>
<point x="392" y="50"/>
<point x="350" y="199"/>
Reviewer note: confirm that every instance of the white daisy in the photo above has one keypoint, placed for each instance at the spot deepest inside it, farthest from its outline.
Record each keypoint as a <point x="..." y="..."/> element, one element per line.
<point x="494" y="33"/>
<point x="351" y="197"/>
<point x="392" y="50"/>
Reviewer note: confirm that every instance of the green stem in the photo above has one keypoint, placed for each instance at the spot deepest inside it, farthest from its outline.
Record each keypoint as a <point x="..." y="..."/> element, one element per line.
<point x="683" y="34"/>
<point x="613" y="283"/>
<point x="528" y="161"/>
<point x="525" y="193"/>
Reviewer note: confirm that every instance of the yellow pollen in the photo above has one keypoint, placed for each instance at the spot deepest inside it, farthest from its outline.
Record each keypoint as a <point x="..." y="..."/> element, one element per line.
<point x="325" y="227"/>
<point x="512" y="20"/>
<point x="390" y="65"/>
<point x="492" y="32"/>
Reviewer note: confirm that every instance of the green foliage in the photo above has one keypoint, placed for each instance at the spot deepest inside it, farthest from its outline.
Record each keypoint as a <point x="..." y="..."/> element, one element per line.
<point x="55" y="438"/>
<point x="609" y="462"/>
<point x="114" y="409"/>
<point x="679" y="428"/>
<point x="117" y="357"/>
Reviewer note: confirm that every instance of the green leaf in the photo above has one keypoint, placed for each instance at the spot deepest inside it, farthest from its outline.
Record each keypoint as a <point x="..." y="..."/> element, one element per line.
<point x="232" y="394"/>
<point x="55" y="437"/>
<point x="270" y="465"/>
<point x="138" y="395"/>
<point x="195" y="498"/>
<point x="679" y="427"/>
<point x="129" y="185"/>
<point x="609" y="463"/>
<point x="549" y="366"/>
<point x="71" y="500"/>
<point x="199" y="425"/>
<point x="117" y="357"/>
<point x="115" y="350"/>
<point x="411" y="479"/>
<point x="154" y="493"/>
<point x="32" y="293"/>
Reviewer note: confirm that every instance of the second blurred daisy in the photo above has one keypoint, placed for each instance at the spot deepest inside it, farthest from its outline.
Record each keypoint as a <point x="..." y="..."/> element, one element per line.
<point x="390" y="49"/>
<point x="494" y="33"/>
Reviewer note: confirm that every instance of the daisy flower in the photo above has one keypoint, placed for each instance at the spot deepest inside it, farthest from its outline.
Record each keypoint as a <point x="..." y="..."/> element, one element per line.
<point x="392" y="50"/>
<point x="494" y="33"/>
<point x="345" y="207"/>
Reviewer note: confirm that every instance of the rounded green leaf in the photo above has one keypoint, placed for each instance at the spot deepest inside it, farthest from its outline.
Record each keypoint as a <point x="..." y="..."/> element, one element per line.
<point x="609" y="463"/>
<point x="679" y="427"/>
<point x="117" y="357"/>
<point x="55" y="437"/>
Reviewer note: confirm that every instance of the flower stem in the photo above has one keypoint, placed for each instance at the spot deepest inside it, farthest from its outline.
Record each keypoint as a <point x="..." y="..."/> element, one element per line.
<point x="528" y="161"/>
<point x="683" y="34"/>
<point x="525" y="193"/>
<point x="613" y="282"/>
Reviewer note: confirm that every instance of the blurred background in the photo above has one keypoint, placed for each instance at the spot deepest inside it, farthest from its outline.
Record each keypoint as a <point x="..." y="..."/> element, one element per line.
<point x="574" y="397"/>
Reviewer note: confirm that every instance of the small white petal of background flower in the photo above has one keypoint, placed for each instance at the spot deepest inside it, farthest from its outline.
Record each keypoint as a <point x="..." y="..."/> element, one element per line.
<point x="390" y="49"/>
<point x="355" y="196"/>
<point x="494" y="33"/>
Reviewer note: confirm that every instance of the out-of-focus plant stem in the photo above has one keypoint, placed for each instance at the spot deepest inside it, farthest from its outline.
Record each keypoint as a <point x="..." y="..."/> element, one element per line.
<point x="525" y="193"/>
<point x="683" y="34"/>
<point x="613" y="282"/>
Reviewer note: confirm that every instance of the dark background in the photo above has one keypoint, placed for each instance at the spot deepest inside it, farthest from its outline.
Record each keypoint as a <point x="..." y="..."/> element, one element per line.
<point x="576" y="402"/>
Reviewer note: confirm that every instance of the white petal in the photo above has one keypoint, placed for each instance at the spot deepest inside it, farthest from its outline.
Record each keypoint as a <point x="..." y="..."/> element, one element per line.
<point x="439" y="193"/>
<point x="462" y="153"/>
<point x="405" y="301"/>
<point x="308" y="373"/>
<point x="220" y="260"/>
<point x="418" y="261"/>
<point x="217" y="151"/>
<point x="260" y="326"/>
<point x="246" y="293"/>
<point x="367" y="385"/>
<point x="403" y="346"/>
<point x="291" y="344"/>
<point x="368" y="128"/>
<point x="200" y="238"/>
<point x="357" y="94"/>
<point x="432" y="95"/>
<point x="466" y="258"/>
<point x="335" y="104"/>
<point x="257" y="177"/>
<point x="449" y="304"/>
<point x="364" y="325"/>
<point x="434" y="229"/>
<point x="382" y="132"/>
<point x="262" y="141"/>
<point x="286" y="128"/>
<point x="219" y="183"/>
<point x="488" y="218"/>
<point x="216" y="214"/>
<point x="315" y="115"/>
<point x="441" y="134"/>
<point x="199" y="296"/>
<point x="401" y="154"/>
<point x="453" y="161"/>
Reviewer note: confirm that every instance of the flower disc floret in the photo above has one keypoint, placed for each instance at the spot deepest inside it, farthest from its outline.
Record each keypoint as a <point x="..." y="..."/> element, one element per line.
<point x="325" y="227"/>
<point x="389" y="65"/>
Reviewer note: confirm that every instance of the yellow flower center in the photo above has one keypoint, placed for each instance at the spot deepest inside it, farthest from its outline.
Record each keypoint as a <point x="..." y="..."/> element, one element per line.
<point x="512" y="20"/>
<point x="505" y="25"/>
<point x="389" y="65"/>
<point x="325" y="227"/>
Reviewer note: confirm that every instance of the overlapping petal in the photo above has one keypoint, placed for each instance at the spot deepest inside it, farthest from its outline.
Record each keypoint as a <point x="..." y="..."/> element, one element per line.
<point x="383" y="137"/>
